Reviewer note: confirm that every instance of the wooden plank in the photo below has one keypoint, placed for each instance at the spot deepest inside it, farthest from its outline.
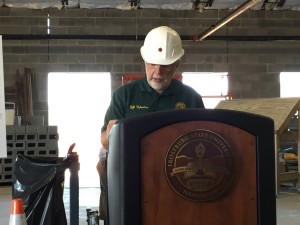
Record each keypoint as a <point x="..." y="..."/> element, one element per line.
<point x="289" y="176"/>
<point x="280" y="110"/>
<point x="290" y="136"/>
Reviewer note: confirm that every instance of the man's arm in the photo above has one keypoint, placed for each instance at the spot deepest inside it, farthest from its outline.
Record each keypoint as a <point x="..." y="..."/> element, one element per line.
<point x="105" y="133"/>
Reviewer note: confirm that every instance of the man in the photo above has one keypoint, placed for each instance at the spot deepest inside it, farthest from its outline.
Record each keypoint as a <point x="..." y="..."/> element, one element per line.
<point x="157" y="91"/>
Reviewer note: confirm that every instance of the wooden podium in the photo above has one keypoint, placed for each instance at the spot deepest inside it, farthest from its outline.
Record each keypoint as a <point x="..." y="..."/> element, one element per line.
<point x="192" y="167"/>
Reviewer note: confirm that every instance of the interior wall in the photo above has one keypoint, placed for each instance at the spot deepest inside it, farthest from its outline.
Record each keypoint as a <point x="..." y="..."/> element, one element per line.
<point x="254" y="48"/>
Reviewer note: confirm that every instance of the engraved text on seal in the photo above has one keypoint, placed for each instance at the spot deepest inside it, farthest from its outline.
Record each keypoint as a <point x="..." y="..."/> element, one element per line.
<point x="199" y="165"/>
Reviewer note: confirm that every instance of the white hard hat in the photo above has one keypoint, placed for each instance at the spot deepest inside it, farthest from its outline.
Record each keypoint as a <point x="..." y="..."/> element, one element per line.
<point x="162" y="46"/>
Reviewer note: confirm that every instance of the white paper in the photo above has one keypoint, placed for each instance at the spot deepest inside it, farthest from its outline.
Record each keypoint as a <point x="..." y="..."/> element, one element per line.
<point x="3" y="146"/>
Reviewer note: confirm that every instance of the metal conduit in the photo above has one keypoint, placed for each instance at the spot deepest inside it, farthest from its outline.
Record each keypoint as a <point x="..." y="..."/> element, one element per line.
<point x="242" y="8"/>
<point x="142" y="37"/>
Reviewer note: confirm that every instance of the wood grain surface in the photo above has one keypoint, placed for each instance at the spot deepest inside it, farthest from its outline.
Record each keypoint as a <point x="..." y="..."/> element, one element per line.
<point x="161" y="205"/>
<point x="280" y="110"/>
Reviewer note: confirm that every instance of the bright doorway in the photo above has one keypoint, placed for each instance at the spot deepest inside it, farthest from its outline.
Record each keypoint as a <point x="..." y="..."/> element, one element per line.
<point x="77" y="105"/>
<point x="213" y="87"/>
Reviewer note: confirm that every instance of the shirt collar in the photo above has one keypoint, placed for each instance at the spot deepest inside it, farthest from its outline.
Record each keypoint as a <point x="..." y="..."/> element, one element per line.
<point x="144" y="86"/>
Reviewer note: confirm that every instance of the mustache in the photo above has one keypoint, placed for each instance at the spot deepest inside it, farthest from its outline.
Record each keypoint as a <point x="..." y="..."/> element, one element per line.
<point x="158" y="75"/>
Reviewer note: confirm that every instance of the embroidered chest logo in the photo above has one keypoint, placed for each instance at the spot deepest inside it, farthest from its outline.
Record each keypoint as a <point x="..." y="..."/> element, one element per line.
<point x="180" y="105"/>
<point x="132" y="107"/>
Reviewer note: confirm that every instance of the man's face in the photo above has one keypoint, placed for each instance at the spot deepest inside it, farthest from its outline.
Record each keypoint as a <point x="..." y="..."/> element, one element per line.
<point x="159" y="77"/>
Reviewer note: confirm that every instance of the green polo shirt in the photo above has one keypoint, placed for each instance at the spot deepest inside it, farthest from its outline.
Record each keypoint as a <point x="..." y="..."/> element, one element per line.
<point x="138" y="97"/>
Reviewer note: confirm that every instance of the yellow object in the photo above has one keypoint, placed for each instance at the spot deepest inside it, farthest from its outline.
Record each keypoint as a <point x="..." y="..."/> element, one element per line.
<point x="290" y="156"/>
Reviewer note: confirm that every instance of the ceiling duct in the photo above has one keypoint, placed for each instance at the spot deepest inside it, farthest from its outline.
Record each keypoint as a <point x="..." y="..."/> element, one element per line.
<point x="239" y="10"/>
<point x="272" y="4"/>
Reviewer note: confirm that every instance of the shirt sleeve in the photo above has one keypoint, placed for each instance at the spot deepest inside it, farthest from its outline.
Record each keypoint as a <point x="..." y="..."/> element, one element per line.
<point x="116" y="109"/>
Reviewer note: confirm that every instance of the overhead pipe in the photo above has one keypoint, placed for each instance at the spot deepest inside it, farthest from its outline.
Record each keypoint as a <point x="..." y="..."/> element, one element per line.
<point x="242" y="8"/>
<point x="142" y="37"/>
<point x="71" y="37"/>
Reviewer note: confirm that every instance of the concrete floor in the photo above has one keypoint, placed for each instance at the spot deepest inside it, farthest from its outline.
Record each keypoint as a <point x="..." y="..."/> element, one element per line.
<point x="88" y="199"/>
<point x="288" y="204"/>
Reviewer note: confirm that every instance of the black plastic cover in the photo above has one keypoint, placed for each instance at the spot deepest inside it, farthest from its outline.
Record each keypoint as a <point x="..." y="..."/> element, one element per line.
<point x="40" y="183"/>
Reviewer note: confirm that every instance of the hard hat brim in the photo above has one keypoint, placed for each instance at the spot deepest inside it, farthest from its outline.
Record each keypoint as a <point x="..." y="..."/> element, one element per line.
<point x="160" y="60"/>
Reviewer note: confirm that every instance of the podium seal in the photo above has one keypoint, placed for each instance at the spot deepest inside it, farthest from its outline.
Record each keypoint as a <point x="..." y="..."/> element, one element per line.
<point x="200" y="165"/>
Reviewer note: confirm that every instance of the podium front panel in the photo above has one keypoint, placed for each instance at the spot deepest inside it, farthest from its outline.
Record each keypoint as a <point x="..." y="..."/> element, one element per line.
<point x="198" y="176"/>
<point x="192" y="167"/>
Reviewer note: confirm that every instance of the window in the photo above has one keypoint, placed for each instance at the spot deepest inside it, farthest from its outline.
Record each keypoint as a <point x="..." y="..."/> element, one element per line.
<point x="289" y="84"/>
<point x="213" y="87"/>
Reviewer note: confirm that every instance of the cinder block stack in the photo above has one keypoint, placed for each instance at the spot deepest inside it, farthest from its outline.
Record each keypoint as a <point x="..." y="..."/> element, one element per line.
<point x="27" y="140"/>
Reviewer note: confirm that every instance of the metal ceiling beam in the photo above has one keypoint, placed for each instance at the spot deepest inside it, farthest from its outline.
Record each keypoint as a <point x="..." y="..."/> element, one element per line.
<point x="226" y="19"/>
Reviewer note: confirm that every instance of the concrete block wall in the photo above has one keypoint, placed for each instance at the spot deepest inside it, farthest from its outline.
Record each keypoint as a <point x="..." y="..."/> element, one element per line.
<point x="40" y="141"/>
<point x="100" y="40"/>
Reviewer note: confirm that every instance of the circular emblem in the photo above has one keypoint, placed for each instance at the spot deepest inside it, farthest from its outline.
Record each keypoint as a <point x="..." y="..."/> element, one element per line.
<point x="180" y="105"/>
<point x="200" y="165"/>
